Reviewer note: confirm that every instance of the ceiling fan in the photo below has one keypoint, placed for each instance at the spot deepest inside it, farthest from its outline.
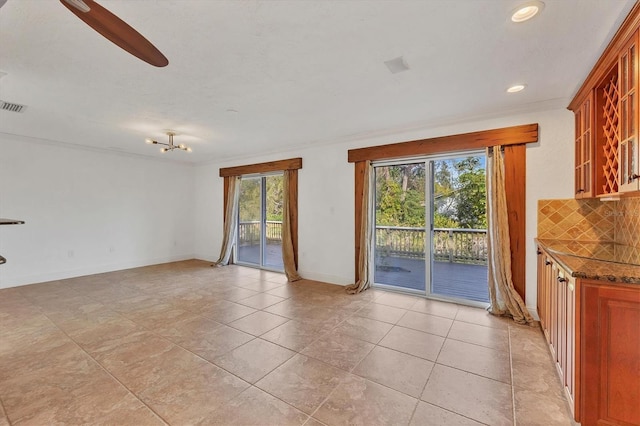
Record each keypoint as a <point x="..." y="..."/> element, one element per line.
<point x="115" y="30"/>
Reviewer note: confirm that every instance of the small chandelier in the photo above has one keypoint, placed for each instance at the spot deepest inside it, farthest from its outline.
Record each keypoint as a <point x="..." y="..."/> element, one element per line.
<point x="169" y="146"/>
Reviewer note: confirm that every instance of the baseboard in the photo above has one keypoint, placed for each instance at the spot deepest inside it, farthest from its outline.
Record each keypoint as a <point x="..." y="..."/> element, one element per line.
<point x="534" y="312"/>
<point x="309" y="275"/>
<point x="206" y="257"/>
<point x="326" y="278"/>
<point x="89" y="270"/>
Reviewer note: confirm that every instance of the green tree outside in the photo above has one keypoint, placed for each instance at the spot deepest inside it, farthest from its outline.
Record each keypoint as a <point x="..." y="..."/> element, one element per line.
<point x="459" y="187"/>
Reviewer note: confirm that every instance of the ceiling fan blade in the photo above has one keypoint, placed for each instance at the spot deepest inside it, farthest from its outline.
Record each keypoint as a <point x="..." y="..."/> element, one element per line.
<point x="118" y="32"/>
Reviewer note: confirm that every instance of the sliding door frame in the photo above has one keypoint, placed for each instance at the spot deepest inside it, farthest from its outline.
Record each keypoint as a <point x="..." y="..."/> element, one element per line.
<point x="262" y="264"/>
<point x="428" y="224"/>
<point x="292" y="165"/>
<point x="514" y="140"/>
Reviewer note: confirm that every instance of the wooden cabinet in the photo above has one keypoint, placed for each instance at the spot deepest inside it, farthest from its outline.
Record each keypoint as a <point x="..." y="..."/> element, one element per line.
<point x="628" y="172"/>
<point x="606" y="108"/>
<point x="557" y="312"/>
<point x="593" y="332"/>
<point x="584" y="149"/>
<point x="611" y="354"/>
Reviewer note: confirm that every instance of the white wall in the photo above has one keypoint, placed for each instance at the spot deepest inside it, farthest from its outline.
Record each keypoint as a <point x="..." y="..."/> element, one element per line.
<point x="326" y="184"/>
<point x="88" y="212"/>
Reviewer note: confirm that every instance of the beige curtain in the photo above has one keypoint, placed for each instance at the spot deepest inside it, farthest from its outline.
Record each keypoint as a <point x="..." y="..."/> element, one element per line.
<point x="366" y="235"/>
<point x="288" y="258"/>
<point x="505" y="300"/>
<point x="230" y="221"/>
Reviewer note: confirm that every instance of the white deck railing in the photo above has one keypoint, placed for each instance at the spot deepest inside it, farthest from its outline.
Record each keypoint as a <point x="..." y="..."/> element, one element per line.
<point x="249" y="232"/>
<point x="449" y="244"/>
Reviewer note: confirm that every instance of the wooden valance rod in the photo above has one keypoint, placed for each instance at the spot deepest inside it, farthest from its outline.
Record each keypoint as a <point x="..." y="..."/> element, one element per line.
<point x="270" y="166"/>
<point x="515" y="135"/>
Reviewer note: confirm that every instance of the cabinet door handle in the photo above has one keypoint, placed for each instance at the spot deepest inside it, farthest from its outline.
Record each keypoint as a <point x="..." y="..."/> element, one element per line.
<point x="562" y="280"/>
<point x="539" y="252"/>
<point x="579" y="191"/>
<point x="546" y="262"/>
<point x="633" y="177"/>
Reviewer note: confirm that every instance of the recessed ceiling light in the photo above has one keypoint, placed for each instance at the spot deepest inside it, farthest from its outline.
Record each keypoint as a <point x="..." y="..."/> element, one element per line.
<point x="526" y="11"/>
<point x="516" y="88"/>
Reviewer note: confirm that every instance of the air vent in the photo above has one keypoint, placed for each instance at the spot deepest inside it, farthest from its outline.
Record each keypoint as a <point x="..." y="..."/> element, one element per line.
<point x="8" y="106"/>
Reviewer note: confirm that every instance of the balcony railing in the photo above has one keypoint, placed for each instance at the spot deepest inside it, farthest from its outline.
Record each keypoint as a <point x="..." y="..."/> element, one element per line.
<point x="449" y="244"/>
<point x="249" y="232"/>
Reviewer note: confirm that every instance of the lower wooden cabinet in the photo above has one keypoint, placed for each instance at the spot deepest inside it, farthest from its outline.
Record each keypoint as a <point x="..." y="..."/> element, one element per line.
<point x="557" y="300"/>
<point x="611" y="354"/>
<point x="593" y="331"/>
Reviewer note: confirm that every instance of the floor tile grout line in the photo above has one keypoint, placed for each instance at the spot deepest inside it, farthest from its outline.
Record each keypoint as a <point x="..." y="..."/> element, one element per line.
<point x="103" y="368"/>
<point x="513" y="391"/>
<point x="4" y="410"/>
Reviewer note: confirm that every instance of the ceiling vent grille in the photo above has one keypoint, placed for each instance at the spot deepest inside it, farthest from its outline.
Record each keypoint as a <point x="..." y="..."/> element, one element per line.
<point x="8" y="106"/>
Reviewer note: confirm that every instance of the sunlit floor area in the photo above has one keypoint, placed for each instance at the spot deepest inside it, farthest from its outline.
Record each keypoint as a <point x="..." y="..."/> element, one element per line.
<point x="187" y="344"/>
<point x="450" y="279"/>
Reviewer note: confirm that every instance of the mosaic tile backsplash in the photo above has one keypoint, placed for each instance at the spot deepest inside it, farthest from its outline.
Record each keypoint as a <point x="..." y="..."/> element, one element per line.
<point x="583" y="220"/>
<point x="627" y="222"/>
<point x="590" y="220"/>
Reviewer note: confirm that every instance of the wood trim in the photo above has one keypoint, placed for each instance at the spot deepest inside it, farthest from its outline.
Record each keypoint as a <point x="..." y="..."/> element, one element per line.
<point x="293" y="195"/>
<point x="609" y="57"/>
<point x="360" y="173"/>
<point x="293" y="218"/>
<point x="515" y="169"/>
<point x="225" y="196"/>
<point x="577" y="354"/>
<point x="270" y="166"/>
<point x="514" y="135"/>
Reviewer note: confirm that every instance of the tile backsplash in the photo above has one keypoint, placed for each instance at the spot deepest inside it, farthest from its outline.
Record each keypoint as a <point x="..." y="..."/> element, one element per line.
<point x="583" y="220"/>
<point x="590" y="220"/>
<point x="627" y="222"/>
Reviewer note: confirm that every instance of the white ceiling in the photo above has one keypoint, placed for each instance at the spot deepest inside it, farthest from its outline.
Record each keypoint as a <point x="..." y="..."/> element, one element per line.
<point x="250" y="77"/>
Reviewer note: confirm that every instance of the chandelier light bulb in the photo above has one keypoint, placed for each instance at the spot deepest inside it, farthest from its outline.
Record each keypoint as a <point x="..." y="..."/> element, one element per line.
<point x="168" y="146"/>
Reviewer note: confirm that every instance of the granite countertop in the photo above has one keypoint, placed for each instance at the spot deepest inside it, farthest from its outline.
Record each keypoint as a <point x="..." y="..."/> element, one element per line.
<point x="609" y="262"/>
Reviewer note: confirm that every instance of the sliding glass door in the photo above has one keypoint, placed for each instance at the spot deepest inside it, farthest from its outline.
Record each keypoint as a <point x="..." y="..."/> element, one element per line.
<point x="400" y="224"/>
<point x="430" y="227"/>
<point x="459" y="228"/>
<point x="259" y="241"/>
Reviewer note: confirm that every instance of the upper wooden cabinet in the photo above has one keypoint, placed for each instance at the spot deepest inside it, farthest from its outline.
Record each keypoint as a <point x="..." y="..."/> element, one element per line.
<point x="584" y="149"/>
<point x="628" y="173"/>
<point x="607" y="156"/>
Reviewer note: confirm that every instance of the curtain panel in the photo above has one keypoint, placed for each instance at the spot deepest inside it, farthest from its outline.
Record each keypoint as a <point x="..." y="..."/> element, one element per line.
<point x="288" y="215"/>
<point x="366" y="234"/>
<point x="505" y="300"/>
<point x="230" y="221"/>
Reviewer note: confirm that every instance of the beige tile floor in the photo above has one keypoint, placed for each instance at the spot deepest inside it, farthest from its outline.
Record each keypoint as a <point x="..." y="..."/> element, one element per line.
<point x="187" y="344"/>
